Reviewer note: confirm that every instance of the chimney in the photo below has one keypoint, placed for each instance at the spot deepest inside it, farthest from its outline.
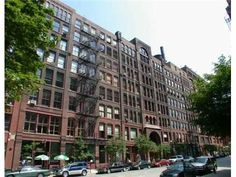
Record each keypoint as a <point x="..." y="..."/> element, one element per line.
<point x="163" y="53"/>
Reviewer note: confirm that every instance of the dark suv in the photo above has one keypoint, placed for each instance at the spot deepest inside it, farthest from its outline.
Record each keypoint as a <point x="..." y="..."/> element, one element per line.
<point x="115" y="167"/>
<point x="205" y="164"/>
<point x="75" y="168"/>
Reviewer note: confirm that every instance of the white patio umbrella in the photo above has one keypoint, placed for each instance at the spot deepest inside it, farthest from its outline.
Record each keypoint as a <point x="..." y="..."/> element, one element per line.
<point x="61" y="157"/>
<point x="42" y="157"/>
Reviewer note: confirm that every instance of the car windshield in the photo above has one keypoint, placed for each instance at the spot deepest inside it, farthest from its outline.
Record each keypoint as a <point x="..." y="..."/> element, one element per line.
<point x="201" y="160"/>
<point x="173" y="157"/>
<point x="176" y="167"/>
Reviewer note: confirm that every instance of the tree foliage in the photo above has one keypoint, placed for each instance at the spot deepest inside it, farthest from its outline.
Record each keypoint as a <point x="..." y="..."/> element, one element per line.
<point x="145" y="145"/>
<point x="115" y="146"/>
<point x="26" y="29"/>
<point x="211" y="100"/>
<point x="81" y="151"/>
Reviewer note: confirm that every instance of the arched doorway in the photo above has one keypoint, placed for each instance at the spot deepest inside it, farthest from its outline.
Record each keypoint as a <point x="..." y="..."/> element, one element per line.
<point x="155" y="137"/>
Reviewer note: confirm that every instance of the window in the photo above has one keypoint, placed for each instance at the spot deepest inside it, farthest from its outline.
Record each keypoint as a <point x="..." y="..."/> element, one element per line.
<point x="103" y="63"/>
<point x="102" y="48"/>
<point x="72" y="103"/>
<point x="113" y="43"/>
<point x="108" y="39"/>
<point x="61" y="61"/>
<point x="109" y="51"/>
<point x="93" y="31"/>
<point x="57" y="100"/>
<point x="109" y="112"/>
<point x="7" y="122"/>
<point x="55" y="125"/>
<point x="39" y="73"/>
<point x="108" y="64"/>
<point x="102" y="92"/>
<point x="71" y="127"/>
<point x="109" y="80"/>
<point x="115" y="81"/>
<point x="68" y="17"/>
<point x="76" y="36"/>
<point x="109" y="131"/>
<point x="133" y="133"/>
<point x="49" y="76"/>
<point x="82" y="68"/>
<point x="30" y="122"/>
<point x="74" y="67"/>
<point x="78" y="23"/>
<point x="51" y="57"/>
<point x="64" y="14"/>
<point x="116" y="97"/>
<point x="75" y="50"/>
<point x="126" y="133"/>
<point x="115" y="54"/>
<point x="115" y="67"/>
<point x="46" y="97"/>
<point x="40" y="53"/>
<point x="116" y="113"/>
<point x="101" y="131"/>
<point x="63" y="45"/>
<point x="60" y="79"/>
<point x="102" y="36"/>
<point x="56" y="26"/>
<point x="92" y="58"/>
<point x="73" y="84"/>
<point x="42" y="125"/>
<point x="86" y="28"/>
<point x="83" y="54"/>
<point x="102" y="75"/>
<point x="109" y="94"/>
<point x="65" y="29"/>
<point x="102" y="110"/>
<point x="117" y="131"/>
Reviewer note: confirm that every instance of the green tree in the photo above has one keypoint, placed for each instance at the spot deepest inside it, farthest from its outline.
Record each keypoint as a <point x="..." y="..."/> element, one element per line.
<point x="145" y="145"/>
<point x="211" y="100"/>
<point x="164" y="149"/>
<point x="26" y="29"/>
<point x="81" y="151"/>
<point x="115" y="147"/>
<point x="30" y="149"/>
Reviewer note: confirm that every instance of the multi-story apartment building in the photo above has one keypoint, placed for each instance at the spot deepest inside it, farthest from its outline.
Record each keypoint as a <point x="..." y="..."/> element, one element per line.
<point x="99" y="85"/>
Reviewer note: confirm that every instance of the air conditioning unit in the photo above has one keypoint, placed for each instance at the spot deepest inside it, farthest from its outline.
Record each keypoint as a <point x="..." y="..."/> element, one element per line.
<point x="32" y="102"/>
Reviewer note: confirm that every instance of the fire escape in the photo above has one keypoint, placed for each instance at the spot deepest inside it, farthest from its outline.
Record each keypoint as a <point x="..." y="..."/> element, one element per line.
<point x="87" y="97"/>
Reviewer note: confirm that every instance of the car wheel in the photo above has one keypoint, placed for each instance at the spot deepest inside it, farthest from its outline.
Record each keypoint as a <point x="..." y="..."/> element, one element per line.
<point x="139" y="168"/>
<point x="84" y="173"/>
<point x="65" y="174"/>
<point x="40" y="175"/>
<point x="149" y="166"/>
<point x="124" y="170"/>
<point x="108" y="171"/>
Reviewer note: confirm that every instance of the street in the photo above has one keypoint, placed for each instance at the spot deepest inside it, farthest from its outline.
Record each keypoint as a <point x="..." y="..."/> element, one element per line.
<point x="224" y="170"/>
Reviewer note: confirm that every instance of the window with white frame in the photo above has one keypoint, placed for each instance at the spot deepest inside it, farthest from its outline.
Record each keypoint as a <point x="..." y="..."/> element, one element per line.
<point x="65" y="29"/>
<point x="133" y="133"/>
<point x="101" y="130"/>
<point x="40" y="53"/>
<point x="102" y="36"/>
<point x="102" y="110"/>
<point x="63" y="45"/>
<point x="116" y="113"/>
<point x="74" y="67"/>
<point x="56" y="26"/>
<point x="109" y="112"/>
<point x="109" y="130"/>
<point x="93" y="31"/>
<point x="51" y="57"/>
<point x="78" y="23"/>
<point x="75" y="50"/>
<point x="61" y="61"/>
<point x="117" y="131"/>
<point x="82" y="69"/>
<point x="76" y="36"/>
<point x="108" y="39"/>
<point x="86" y="28"/>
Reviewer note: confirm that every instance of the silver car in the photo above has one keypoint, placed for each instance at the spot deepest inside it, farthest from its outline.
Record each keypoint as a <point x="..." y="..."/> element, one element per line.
<point x="76" y="168"/>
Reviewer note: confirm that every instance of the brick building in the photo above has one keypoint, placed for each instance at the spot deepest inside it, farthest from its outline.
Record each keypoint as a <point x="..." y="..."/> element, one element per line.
<point x="100" y="85"/>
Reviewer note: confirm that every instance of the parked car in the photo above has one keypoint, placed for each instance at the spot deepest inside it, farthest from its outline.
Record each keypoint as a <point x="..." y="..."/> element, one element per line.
<point x="140" y="165"/>
<point x="179" y="169"/>
<point x="161" y="162"/>
<point x="29" y="171"/>
<point x="188" y="159"/>
<point x="75" y="168"/>
<point x="176" y="158"/>
<point x="115" y="167"/>
<point x="205" y="164"/>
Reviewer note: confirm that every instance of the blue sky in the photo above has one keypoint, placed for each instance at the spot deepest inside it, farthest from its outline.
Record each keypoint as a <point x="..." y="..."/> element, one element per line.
<point x="192" y="32"/>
